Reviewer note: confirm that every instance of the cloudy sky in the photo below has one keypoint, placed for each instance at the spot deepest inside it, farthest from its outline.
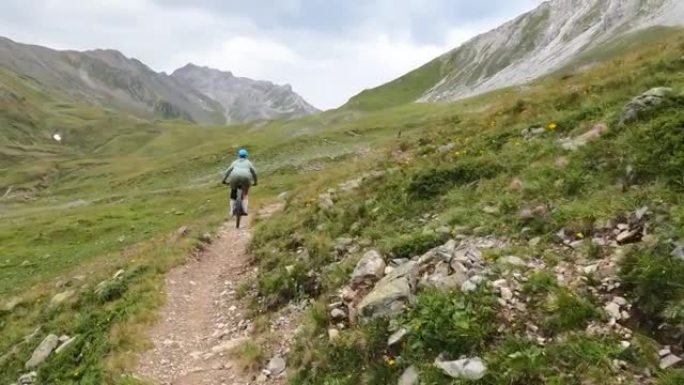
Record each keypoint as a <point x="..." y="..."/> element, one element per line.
<point x="328" y="50"/>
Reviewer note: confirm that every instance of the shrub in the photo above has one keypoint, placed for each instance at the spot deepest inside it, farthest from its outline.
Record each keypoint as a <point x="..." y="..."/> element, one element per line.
<point x="430" y="183"/>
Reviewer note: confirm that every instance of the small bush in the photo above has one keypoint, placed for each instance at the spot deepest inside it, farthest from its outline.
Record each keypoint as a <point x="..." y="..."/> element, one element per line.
<point x="430" y="183"/>
<point x="408" y="246"/>
<point x="654" y="280"/>
<point x="443" y="322"/>
<point x="570" y="312"/>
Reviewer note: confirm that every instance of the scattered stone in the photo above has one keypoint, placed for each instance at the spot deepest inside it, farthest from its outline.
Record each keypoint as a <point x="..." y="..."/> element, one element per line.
<point x="572" y="144"/>
<point x="390" y="295"/>
<point x="228" y="346"/>
<point x="43" y="351"/>
<point x="645" y="102"/>
<point x="62" y="297"/>
<point x="678" y="252"/>
<point x="371" y="267"/>
<point x="446" y="148"/>
<point x="664" y="352"/>
<point x="276" y="366"/>
<point x="325" y="202"/>
<point x="11" y="304"/>
<point x="333" y="334"/>
<point x="338" y="314"/>
<point x="65" y="344"/>
<point x="513" y="261"/>
<point x="613" y="311"/>
<point x="669" y="361"/>
<point x="628" y="236"/>
<point x="516" y="185"/>
<point x="28" y="378"/>
<point x="409" y="377"/>
<point x="539" y="212"/>
<point x="468" y="368"/>
<point x="397" y="337"/>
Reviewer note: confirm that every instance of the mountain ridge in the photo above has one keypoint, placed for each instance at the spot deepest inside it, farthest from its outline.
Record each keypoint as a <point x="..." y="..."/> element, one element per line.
<point x="108" y="78"/>
<point x="529" y="46"/>
<point x="243" y="97"/>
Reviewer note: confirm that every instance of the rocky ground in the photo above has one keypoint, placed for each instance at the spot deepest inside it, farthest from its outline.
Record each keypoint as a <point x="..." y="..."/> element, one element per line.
<point x="206" y="321"/>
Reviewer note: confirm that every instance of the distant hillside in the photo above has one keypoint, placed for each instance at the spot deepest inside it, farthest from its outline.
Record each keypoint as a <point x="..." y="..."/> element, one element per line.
<point x="108" y="78"/>
<point x="244" y="99"/>
<point x="553" y="35"/>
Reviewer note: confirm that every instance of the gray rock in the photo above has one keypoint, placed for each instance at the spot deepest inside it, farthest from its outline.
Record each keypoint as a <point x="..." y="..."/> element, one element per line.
<point x="678" y="252"/>
<point x="333" y="334"/>
<point x="338" y="314"/>
<point x="648" y="101"/>
<point x="409" y="377"/>
<point x="65" y="344"/>
<point x="572" y="144"/>
<point x="43" y="351"/>
<point x="669" y="361"/>
<point x="62" y="297"/>
<point x="325" y="202"/>
<point x="512" y="261"/>
<point x="613" y="310"/>
<point x="468" y="368"/>
<point x="389" y="297"/>
<point x="397" y="337"/>
<point x="28" y="378"/>
<point x="371" y="268"/>
<point x="445" y="282"/>
<point x="276" y="365"/>
<point x="11" y="304"/>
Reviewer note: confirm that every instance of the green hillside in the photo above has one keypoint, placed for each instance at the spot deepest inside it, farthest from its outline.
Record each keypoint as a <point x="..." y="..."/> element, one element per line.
<point x="406" y="89"/>
<point x="495" y="168"/>
<point x="514" y="165"/>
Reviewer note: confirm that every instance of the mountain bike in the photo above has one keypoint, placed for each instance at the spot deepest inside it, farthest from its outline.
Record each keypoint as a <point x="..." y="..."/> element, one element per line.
<point x="238" y="210"/>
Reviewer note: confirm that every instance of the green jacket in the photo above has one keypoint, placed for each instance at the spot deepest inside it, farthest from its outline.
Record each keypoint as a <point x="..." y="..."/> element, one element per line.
<point x="241" y="168"/>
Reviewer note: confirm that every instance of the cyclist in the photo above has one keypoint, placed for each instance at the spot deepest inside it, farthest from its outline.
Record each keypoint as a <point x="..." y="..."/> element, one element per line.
<point x="240" y="174"/>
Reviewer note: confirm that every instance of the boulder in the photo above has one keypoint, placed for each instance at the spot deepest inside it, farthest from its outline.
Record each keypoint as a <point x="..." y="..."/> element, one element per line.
<point x="409" y="377"/>
<point x="467" y="368"/>
<point x="62" y="297"/>
<point x="648" y="101"/>
<point x="371" y="268"/>
<point x="276" y="366"/>
<point x="389" y="297"/>
<point x="43" y="351"/>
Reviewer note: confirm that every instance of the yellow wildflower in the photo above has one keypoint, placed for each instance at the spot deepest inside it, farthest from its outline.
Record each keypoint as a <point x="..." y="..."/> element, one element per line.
<point x="552" y="126"/>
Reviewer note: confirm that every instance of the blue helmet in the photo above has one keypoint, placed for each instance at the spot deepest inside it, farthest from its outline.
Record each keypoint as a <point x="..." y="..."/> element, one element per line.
<point x="243" y="153"/>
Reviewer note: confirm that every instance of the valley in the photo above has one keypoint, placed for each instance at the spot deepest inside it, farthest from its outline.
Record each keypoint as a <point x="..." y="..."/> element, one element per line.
<point x="432" y="230"/>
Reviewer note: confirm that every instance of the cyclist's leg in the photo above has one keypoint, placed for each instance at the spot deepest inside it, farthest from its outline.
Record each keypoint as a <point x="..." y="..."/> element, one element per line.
<point x="233" y="195"/>
<point x="246" y="183"/>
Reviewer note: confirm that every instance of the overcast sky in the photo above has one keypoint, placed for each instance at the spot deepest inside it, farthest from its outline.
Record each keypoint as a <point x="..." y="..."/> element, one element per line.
<point x="328" y="50"/>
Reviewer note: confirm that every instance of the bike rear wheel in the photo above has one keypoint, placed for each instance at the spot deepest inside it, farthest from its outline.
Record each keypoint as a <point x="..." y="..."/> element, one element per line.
<point x="238" y="211"/>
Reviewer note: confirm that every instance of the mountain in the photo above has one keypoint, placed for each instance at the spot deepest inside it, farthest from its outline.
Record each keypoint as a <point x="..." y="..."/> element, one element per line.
<point x="244" y="99"/>
<point x="108" y="78"/>
<point x="546" y="39"/>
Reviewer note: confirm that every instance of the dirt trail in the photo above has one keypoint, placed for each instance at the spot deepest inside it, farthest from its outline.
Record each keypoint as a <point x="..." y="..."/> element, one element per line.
<point x="202" y="320"/>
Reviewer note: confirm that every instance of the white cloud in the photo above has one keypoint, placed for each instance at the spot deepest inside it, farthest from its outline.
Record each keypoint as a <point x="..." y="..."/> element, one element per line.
<point x="326" y="65"/>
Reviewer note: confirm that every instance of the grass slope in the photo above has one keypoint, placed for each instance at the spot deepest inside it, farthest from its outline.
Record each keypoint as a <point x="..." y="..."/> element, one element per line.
<point x="465" y="187"/>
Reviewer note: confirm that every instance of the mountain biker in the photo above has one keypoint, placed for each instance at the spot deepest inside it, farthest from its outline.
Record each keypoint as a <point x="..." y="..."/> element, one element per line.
<point x="240" y="174"/>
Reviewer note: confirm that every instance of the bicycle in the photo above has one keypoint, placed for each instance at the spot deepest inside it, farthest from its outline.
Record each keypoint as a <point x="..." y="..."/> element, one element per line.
<point x="238" y="209"/>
